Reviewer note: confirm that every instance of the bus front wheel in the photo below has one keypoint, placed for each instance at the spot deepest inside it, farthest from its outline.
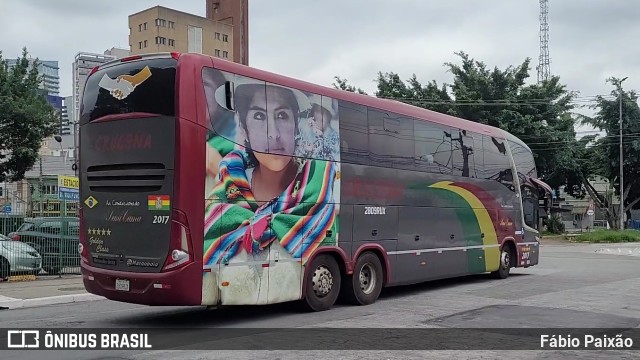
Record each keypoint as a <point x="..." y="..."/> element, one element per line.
<point x="365" y="285"/>
<point x="506" y="261"/>
<point x="323" y="283"/>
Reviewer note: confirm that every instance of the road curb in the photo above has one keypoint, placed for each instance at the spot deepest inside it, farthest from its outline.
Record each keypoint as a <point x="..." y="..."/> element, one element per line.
<point x="51" y="300"/>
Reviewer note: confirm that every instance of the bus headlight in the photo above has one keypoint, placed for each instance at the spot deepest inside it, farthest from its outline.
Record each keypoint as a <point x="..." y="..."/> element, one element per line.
<point x="177" y="255"/>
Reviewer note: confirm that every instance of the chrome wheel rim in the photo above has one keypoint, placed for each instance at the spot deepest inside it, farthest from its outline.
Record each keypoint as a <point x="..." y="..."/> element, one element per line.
<point x="322" y="281"/>
<point x="506" y="259"/>
<point x="367" y="278"/>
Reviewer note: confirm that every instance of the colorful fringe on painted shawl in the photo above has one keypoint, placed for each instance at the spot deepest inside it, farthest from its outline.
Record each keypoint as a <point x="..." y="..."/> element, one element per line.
<point x="299" y="218"/>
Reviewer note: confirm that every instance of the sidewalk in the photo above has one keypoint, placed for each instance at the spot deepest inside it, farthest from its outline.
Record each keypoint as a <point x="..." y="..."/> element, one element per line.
<point x="43" y="291"/>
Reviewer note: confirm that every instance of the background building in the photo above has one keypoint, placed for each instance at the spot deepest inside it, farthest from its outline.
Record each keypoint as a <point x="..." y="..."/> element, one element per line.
<point x="160" y="29"/>
<point x="67" y="104"/>
<point x="236" y="14"/>
<point x="49" y="70"/>
<point x="82" y="65"/>
<point x="117" y="52"/>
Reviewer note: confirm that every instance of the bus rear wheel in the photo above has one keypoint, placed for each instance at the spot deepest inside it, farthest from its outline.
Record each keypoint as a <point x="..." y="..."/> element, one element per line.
<point x="323" y="283"/>
<point x="365" y="285"/>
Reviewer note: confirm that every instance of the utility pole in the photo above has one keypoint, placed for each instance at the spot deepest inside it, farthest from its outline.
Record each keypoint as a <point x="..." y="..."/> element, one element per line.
<point x="41" y="183"/>
<point x="621" y="158"/>
<point x="75" y="149"/>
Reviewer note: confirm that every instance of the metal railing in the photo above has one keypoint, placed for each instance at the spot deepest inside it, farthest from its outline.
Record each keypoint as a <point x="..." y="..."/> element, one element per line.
<point x="40" y="241"/>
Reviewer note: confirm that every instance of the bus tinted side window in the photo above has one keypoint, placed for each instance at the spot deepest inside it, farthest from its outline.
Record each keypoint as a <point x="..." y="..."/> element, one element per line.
<point x="390" y="139"/>
<point x="221" y="118"/>
<point x="432" y="147"/>
<point x="466" y="151"/>
<point x="354" y="135"/>
<point x="523" y="158"/>
<point x="401" y="128"/>
<point x="496" y="161"/>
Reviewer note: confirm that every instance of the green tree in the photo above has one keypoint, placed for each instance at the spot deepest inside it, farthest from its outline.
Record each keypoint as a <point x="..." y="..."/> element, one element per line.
<point x="26" y="118"/>
<point x="606" y="154"/>
<point x="341" y="84"/>
<point x="540" y="114"/>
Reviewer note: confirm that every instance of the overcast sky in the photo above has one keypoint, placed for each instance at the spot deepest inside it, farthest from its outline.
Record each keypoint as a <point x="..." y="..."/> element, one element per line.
<point x="590" y="40"/>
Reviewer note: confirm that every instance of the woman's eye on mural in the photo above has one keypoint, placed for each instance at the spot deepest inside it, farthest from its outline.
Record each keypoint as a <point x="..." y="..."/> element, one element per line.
<point x="258" y="115"/>
<point x="283" y="115"/>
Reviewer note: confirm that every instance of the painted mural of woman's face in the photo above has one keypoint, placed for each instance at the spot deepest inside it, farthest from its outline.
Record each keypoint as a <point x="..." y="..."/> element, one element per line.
<point x="271" y="129"/>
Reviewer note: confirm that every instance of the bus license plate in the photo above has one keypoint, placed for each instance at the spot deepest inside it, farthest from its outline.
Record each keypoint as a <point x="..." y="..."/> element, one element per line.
<point x="122" y="284"/>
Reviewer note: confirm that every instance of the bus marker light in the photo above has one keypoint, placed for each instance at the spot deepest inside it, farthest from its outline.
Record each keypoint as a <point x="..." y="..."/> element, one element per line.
<point x="225" y="283"/>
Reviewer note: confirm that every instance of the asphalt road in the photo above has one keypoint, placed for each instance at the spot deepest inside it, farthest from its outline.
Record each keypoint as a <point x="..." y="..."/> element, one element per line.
<point x="573" y="286"/>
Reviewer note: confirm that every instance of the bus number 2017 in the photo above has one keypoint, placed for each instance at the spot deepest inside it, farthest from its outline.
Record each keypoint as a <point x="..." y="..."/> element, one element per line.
<point x="160" y="219"/>
<point x="374" y="210"/>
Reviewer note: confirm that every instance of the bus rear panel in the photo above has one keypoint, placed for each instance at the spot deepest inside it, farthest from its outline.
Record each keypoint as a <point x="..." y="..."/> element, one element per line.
<point x="134" y="238"/>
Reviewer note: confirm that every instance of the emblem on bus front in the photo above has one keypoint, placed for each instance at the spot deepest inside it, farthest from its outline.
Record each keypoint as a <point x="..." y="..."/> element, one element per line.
<point x="124" y="85"/>
<point x="91" y="202"/>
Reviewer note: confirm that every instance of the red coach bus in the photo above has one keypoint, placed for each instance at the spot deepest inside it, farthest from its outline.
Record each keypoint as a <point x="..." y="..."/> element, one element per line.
<point x="206" y="182"/>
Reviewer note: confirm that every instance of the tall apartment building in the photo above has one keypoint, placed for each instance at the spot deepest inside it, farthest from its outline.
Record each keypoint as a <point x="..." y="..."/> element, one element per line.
<point x="236" y="14"/>
<point x="49" y="70"/>
<point x="65" y="123"/>
<point x="82" y="65"/>
<point x="160" y="29"/>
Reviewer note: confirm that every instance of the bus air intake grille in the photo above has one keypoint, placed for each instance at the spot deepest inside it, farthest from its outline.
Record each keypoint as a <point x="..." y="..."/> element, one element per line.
<point x="126" y="177"/>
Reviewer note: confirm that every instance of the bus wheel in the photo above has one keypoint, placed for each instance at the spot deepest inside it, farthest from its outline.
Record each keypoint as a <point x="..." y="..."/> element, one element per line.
<point x="323" y="283"/>
<point x="505" y="263"/>
<point x="365" y="285"/>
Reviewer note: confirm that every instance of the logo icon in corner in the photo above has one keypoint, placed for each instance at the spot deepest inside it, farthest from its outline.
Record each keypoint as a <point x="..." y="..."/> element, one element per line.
<point x="91" y="202"/>
<point x="21" y="339"/>
<point x="123" y="85"/>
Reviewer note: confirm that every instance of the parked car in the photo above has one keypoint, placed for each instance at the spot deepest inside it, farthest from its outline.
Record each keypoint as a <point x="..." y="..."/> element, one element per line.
<point x="45" y="234"/>
<point x="17" y="258"/>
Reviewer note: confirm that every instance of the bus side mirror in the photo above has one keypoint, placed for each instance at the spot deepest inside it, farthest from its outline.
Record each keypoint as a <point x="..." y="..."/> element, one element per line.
<point x="228" y="94"/>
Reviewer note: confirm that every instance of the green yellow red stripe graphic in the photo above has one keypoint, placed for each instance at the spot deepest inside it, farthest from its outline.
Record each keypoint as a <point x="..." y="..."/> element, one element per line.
<point x="483" y="218"/>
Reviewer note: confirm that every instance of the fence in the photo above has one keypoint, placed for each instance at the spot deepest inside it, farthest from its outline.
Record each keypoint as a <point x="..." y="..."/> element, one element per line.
<point x="40" y="238"/>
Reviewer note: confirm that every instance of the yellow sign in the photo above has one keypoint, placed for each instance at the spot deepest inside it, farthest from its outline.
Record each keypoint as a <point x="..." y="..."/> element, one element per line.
<point x="68" y="182"/>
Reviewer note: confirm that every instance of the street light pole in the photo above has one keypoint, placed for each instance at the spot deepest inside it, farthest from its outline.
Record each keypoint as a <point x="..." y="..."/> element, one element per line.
<point x="621" y="158"/>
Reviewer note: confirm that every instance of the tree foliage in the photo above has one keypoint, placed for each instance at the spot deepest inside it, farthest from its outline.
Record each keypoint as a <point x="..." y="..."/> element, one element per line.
<point x="26" y="118"/>
<point x="605" y="153"/>
<point x="539" y="114"/>
<point x="342" y="85"/>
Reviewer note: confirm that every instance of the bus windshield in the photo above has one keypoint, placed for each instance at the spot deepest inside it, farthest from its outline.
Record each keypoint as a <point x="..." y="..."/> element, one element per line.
<point x="131" y="87"/>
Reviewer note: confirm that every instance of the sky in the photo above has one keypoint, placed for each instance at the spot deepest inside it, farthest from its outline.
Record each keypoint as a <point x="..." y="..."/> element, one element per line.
<point x="590" y="40"/>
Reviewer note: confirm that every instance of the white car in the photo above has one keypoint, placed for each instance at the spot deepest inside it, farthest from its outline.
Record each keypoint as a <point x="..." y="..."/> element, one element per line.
<point x="17" y="258"/>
